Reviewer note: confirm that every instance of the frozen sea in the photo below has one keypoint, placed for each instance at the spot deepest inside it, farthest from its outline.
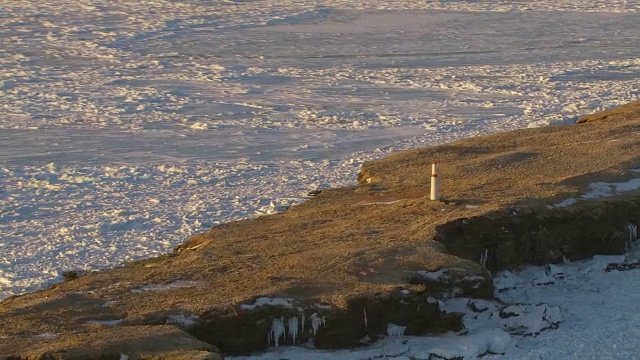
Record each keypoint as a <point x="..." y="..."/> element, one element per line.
<point x="126" y="126"/>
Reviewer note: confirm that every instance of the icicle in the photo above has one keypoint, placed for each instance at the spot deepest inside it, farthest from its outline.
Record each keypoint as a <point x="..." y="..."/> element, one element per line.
<point x="277" y="330"/>
<point x="483" y="258"/>
<point x="316" y="321"/>
<point x="547" y="270"/>
<point x="302" y="320"/>
<point x="395" y="330"/>
<point x="366" y="323"/>
<point x="633" y="234"/>
<point x="293" y="328"/>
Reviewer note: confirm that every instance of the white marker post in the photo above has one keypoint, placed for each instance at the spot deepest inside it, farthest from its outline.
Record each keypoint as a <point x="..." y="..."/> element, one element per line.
<point x="435" y="191"/>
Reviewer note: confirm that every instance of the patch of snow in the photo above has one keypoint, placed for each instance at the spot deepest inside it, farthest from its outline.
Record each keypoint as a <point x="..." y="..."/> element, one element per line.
<point x="47" y="335"/>
<point x="433" y="275"/>
<point x="182" y="320"/>
<point x="110" y="303"/>
<point x="473" y="278"/>
<point x="601" y="190"/>
<point x="105" y="322"/>
<point x="265" y="301"/>
<point x="600" y="262"/>
<point x="522" y="319"/>
<point x="563" y="203"/>
<point x="178" y="284"/>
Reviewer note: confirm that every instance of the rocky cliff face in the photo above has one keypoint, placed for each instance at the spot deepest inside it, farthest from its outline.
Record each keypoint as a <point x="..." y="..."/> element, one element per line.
<point x="511" y="238"/>
<point x="355" y="264"/>
<point x="363" y="321"/>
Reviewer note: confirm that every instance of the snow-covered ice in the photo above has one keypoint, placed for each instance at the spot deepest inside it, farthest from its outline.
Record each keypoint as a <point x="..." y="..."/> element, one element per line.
<point x="128" y="126"/>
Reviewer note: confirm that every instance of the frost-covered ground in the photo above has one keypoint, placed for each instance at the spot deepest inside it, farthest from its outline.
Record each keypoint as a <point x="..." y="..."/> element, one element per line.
<point x="128" y="125"/>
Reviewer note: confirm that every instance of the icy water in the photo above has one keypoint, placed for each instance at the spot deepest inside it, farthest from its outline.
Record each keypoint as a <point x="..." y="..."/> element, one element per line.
<point x="127" y="126"/>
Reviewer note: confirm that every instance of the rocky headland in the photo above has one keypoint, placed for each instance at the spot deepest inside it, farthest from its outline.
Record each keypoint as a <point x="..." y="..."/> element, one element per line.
<point x="353" y="264"/>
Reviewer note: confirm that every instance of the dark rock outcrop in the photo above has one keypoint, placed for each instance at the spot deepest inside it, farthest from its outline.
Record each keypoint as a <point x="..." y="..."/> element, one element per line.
<point x="510" y="239"/>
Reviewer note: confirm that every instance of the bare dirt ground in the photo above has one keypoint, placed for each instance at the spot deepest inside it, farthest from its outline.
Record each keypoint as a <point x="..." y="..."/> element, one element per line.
<point x="344" y="242"/>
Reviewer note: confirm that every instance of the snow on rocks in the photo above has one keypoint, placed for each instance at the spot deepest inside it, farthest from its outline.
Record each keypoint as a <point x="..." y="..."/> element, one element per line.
<point x="455" y="282"/>
<point x="433" y="275"/>
<point x="516" y="319"/>
<point x="523" y="319"/>
<point x="266" y="301"/>
<point x="182" y="320"/>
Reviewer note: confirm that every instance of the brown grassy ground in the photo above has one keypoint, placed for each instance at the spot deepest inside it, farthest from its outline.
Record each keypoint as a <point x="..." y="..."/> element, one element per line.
<point x="349" y="241"/>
